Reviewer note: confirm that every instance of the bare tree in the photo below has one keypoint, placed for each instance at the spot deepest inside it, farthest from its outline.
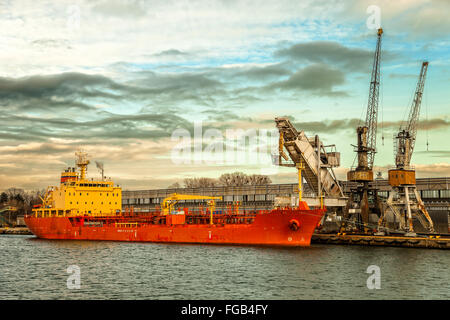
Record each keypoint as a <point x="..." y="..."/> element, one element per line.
<point x="259" y="179"/>
<point x="240" y="179"/>
<point x="175" y="185"/>
<point x="199" y="182"/>
<point x="233" y="179"/>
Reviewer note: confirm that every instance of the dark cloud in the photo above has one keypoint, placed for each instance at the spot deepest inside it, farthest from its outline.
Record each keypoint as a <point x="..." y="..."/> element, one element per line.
<point x="263" y="73"/>
<point x="334" y="53"/>
<point x="138" y="126"/>
<point x="82" y="91"/>
<point x="60" y="91"/>
<point x="332" y="126"/>
<point x="328" y="52"/>
<point x="220" y="115"/>
<point x="59" y="84"/>
<point x="171" y="53"/>
<point x="317" y="78"/>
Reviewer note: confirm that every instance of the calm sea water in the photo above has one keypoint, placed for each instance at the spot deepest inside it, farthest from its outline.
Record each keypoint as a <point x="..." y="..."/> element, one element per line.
<point x="31" y="268"/>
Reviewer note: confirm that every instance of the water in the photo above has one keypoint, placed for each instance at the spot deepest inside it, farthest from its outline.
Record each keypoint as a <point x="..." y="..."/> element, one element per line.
<point x="31" y="268"/>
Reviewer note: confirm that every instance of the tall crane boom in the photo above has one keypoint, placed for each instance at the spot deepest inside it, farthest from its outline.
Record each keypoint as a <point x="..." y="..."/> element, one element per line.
<point x="406" y="136"/>
<point x="372" y="106"/>
<point x="367" y="134"/>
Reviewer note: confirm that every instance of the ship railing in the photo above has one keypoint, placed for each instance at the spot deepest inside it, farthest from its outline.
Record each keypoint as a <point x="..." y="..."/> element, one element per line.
<point x="50" y="212"/>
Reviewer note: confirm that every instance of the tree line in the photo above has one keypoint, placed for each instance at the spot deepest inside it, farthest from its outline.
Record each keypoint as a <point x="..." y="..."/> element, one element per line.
<point x="226" y="179"/>
<point x="21" y="199"/>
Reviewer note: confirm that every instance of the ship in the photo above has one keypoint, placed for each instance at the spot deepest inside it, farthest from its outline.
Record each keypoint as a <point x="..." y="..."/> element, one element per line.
<point x="87" y="209"/>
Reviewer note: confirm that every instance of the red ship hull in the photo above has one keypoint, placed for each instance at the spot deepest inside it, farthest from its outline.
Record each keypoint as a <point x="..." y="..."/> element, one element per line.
<point x="281" y="227"/>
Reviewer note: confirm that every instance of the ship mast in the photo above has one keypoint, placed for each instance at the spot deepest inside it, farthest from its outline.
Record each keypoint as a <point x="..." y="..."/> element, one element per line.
<point x="82" y="163"/>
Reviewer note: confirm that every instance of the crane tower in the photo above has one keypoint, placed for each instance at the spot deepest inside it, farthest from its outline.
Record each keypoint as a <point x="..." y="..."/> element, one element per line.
<point x="402" y="179"/>
<point x="357" y="209"/>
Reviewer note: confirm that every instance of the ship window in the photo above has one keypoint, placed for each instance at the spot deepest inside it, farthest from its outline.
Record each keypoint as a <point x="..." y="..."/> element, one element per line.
<point x="92" y="202"/>
<point x="85" y="203"/>
<point x="70" y="202"/>
<point x="110" y="203"/>
<point x="102" y="202"/>
<point x="77" y="202"/>
<point x="116" y="202"/>
<point x="80" y="193"/>
<point x="107" y="194"/>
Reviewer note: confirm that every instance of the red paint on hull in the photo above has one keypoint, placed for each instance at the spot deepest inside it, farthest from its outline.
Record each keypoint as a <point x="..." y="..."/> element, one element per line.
<point x="267" y="229"/>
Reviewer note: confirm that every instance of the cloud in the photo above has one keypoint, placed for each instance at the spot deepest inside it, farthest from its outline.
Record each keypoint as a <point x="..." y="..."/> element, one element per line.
<point x="51" y="43"/>
<point x="329" y="52"/>
<point x="317" y="78"/>
<point x="430" y="124"/>
<point x="262" y="73"/>
<point x="128" y="9"/>
<point x="333" y="126"/>
<point x="402" y="75"/>
<point x="432" y="170"/>
<point x="436" y="153"/>
<point x="58" y="91"/>
<point x="170" y="53"/>
<point x="134" y="71"/>
<point x="111" y="126"/>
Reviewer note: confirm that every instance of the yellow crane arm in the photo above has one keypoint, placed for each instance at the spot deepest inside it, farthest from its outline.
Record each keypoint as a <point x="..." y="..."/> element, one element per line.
<point x="171" y="200"/>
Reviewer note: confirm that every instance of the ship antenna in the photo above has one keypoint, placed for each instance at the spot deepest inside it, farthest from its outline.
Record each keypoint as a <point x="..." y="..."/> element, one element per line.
<point x="82" y="162"/>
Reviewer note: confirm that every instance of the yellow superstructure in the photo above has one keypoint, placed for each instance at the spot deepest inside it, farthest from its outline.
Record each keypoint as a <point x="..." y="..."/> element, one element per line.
<point x="78" y="195"/>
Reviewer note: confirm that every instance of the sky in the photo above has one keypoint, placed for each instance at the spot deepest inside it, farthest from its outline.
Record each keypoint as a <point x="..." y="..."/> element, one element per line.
<point x="134" y="82"/>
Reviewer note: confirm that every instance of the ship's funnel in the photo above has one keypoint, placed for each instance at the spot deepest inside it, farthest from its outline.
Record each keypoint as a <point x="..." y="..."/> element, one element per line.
<point x="100" y="166"/>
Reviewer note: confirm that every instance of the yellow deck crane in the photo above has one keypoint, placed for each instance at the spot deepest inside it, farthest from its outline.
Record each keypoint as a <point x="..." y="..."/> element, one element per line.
<point x="169" y="203"/>
<point x="402" y="179"/>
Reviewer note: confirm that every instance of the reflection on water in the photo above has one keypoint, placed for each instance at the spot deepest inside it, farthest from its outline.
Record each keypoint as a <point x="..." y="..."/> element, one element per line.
<point x="31" y="268"/>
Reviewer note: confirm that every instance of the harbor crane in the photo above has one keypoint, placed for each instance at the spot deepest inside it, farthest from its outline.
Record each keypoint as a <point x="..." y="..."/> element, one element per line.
<point x="312" y="158"/>
<point x="402" y="179"/>
<point x="357" y="209"/>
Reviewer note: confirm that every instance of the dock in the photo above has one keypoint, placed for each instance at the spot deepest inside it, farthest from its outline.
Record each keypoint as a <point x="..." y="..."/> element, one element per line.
<point x="15" y="231"/>
<point x="432" y="241"/>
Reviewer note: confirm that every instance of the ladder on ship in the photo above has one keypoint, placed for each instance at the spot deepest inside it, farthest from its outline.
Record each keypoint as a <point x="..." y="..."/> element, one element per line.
<point x="317" y="162"/>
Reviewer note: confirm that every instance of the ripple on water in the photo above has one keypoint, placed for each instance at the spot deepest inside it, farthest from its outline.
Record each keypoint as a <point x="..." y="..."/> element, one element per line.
<point x="31" y="268"/>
